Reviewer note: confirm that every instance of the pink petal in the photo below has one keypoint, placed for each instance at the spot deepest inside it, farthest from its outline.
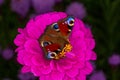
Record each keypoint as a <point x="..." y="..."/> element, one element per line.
<point x="70" y="55"/>
<point x="78" y="45"/>
<point x="20" y="60"/>
<point x="77" y="35"/>
<point x="62" y="15"/>
<point x="94" y="56"/>
<point x="87" y="69"/>
<point x="79" y="52"/>
<point x="28" y="59"/>
<point x="72" y="72"/>
<point x="45" y="77"/>
<point x="88" y="33"/>
<point x="81" y="76"/>
<point x="22" y="31"/>
<point x="90" y="43"/>
<point x="46" y="70"/>
<point x="79" y="25"/>
<point x="24" y="57"/>
<point x="41" y="25"/>
<point x="46" y="63"/>
<point x="81" y="59"/>
<point x="52" y="64"/>
<point x="39" y="70"/>
<point x="37" y="60"/>
<point x="90" y="55"/>
<point x="36" y="70"/>
<point x="19" y="40"/>
<point x="80" y="64"/>
<point x="70" y="60"/>
<point x="33" y="30"/>
<point x="64" y="64"/>
<point x="55" y="75"/>
<point x="33" y="46"/>
<point x="60" y="69"/>
<point x="25" y="69"/>
<point x="20" y="56"/>
<point x="68" y="78"/>
<point x="54" y="18"/>
<point x="19" y="48"/>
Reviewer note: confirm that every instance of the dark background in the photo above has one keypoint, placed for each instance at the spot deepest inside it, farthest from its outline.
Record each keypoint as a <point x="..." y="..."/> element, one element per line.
<point x="103" y="17"/>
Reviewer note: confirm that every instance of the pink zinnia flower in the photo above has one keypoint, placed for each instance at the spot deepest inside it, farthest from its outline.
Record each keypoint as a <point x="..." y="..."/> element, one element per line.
<point x="98" y="75"/>
<point x="114" y="59"/>
<point x="26" y="76"/>
<point x="41" y="6"/>
<point x="20" y="6"/>
<point x="75" y="65"/>
<point x="76" y="9"/>
<point x="7" y="53"/>
<point x="1" y="2"/>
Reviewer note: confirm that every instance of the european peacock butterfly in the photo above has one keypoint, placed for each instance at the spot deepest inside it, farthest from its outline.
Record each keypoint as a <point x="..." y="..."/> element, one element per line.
<point x="54" y="40"/>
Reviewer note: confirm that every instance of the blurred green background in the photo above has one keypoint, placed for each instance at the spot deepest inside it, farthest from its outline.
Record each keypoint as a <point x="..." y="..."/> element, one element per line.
<point x="103" y="17"/>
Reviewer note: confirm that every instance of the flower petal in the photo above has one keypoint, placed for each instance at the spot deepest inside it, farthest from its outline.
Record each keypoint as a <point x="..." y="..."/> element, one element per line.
<point x="90" y="55"/>
<point x="78" y="45"/>
<point x="81" y="76"/>
<point x="77" y="35"/>
<point x="19" y="40"/>
<point x="68" y="78"/>
<point x="20" y="56"/>
<point x="90" y="43"/>
<point x="25" y="69"/>
<point x="87" y="69"/>
<point x="80" y="64"/>
<point x="46" y="70"/>
<point x="24" y="58"/>
<point x="72" y="72"/>
<point x="33" y="46"/>
<point x="55" y="75"/>
<point x="19" y="49"/>
<point x="94" y="56"/>
<point x="28" y="59"/>
<point x="45" y="77"/>
<point x="70" y="55"/>
<point x="37" y="60"/>
<point x="36" y="70"/>
<point x="44" y="66"/>
<point x="33" y="30"/>
<point x="64" y="64"/>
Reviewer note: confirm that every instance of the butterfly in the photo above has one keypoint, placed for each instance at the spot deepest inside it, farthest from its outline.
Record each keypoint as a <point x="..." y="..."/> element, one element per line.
<point x="55" y="39"/>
